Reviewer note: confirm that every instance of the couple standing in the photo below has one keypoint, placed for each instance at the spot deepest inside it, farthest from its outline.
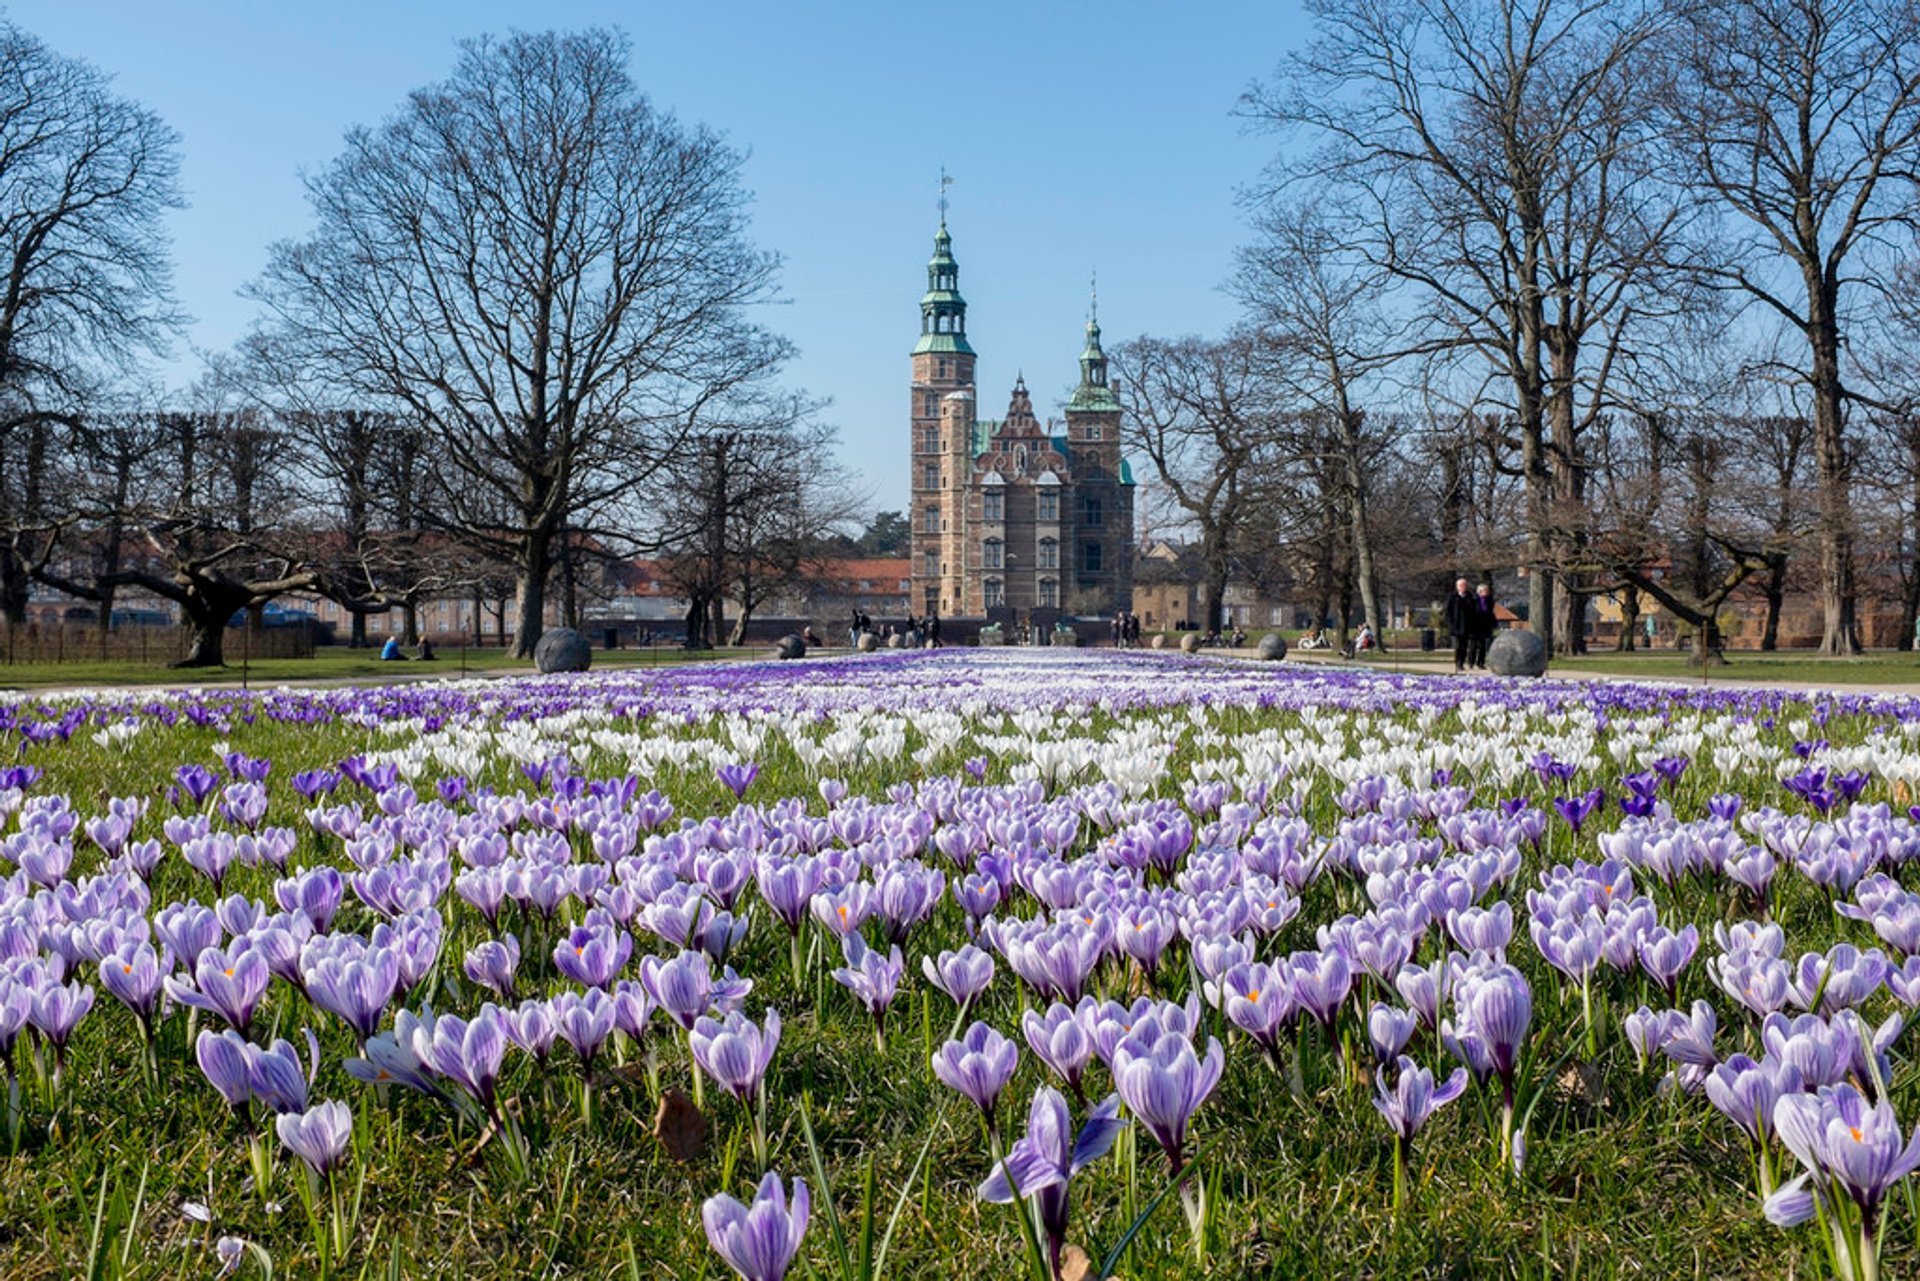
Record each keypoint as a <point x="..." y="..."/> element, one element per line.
<point x="1470" y="620"/>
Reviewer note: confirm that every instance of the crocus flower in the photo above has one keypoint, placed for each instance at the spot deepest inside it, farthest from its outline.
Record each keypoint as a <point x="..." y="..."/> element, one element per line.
<point x="131" y="974"/>
<point x="320" y="1136"/>
<point x="1163" y="1082"/>
<point x="1849" y="1148"/>
<point x="354" y="984"/>
<point x="225" y="1059"/>
<point x="492" y="964"/>
<point x="1041" y="1163"/>
<point x="1388" y="1031"/>
<point x="871" y="977"/>
<point x="978" y="1065"/>
<point x="738" y="777"/>
<point x="1413" y="1098"/>
<point x="227" y="982"/>
<point x="1059" y="1040"/>
<point x="583" y="1022"/>
<point x="682" y="987"/>
<point x="758" y="1241"/>
<point x="736" y="1053"/>
<point x="962" y="975"/>
<point x="593" y="956"/>
<point x="1576" y="810"/>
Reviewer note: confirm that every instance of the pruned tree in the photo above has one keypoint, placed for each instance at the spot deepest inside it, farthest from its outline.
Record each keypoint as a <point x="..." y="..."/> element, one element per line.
<point x="545" y="273"/>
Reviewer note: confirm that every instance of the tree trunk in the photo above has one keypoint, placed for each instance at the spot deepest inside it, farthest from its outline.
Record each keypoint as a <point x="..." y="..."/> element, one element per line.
<point x="1839" y="634"/>
<point x="1776" y="592"/>
<point x="1359" y="532"/>
<point x="536" y="558"/>
<point x="206" y="624"/>
<point x="1629" y="619"/>
<point x="410" y="622"/>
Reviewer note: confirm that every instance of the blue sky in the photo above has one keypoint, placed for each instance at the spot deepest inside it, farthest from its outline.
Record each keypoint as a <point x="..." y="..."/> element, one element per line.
<point x="1080" y="137"/>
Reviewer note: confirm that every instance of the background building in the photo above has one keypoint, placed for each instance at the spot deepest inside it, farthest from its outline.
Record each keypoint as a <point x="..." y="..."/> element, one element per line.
<point x="1012" y="516"/>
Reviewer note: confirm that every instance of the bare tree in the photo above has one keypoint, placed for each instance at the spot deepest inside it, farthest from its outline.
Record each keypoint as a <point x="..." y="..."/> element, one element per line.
<point x="1800" y="121"/>
<point x="1497" y="149"/>
<point x="1202" y="413"/>
<point x="544" y="272"/>
<point x="1314" y="304"/>
<point x="85" y="180"/>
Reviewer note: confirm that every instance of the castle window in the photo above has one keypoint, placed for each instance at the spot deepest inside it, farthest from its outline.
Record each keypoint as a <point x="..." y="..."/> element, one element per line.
<point x="1091" y="555"/>
<point x="930" y="476"/>
<point x="1049" y="594"/>
<point x="1049" y="505"/>
<point x="1091" y="513"/>
<point x="930" y="521"/>
<point x="993" y="553"/>
<point x="931" y="564"/>
<point x="1092" y="432"/>
<point x="993" y="505"/>
<point x="940" y="368"/>
<point x="995" y="592"/>
<point x="930" y="438"/>
<point x="1049" y="553"/>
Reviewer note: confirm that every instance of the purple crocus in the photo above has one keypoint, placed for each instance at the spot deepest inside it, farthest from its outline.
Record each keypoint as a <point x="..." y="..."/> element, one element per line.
<point x="467" y="1052"/>
<point x="1408" y="1106"/>
<point x="682" y="988"/>
<point x="131" y="974"/>
<point x="1849" y="1148"/>
<point x="354" y="983"/>
<point x="978" y="1065"/>
<point x="583" y="1022"/>
<point x="593" y="956"/>
<point x="1041" y="1163"/>
<point x="736" y="1053"/>
<point x="225" y="1059"/>
<point x="1745" y="1092"/>
<point x="1576" y="810"/>
<point x="1388" y="1031"/>
<point x="871" y="977"/>
<point x="758" y="1241"/>
<point x="1059" y="1039"/>
<point x="1164" y="1082"/>
<point x="962" y="975"/>
<point x="228" y="982"/>
<point x="492" y="964"/>
<point x="320" y="1136"/>
<point x="737" y="777"/>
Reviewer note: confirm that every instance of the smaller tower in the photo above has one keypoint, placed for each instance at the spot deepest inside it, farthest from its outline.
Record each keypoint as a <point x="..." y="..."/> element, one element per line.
<point x="942" y="368"/>
<point x="1098" y="552"/>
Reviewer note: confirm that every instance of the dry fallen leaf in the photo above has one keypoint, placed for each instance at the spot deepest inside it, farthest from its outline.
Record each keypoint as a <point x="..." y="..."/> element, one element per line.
<point x="680" y="1126"/>
<point x="1074" y="1264"/>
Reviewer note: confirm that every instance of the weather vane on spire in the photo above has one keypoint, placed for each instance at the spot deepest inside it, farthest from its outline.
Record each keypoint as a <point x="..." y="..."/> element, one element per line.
<point x="1093" y="296"/>
<point x="945" y="182"/>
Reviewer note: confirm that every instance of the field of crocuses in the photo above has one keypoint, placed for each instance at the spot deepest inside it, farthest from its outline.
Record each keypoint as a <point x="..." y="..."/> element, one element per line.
<point x="945" y="965"/>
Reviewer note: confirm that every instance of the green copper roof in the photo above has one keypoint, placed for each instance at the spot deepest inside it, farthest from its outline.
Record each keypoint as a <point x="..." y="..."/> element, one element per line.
<point x="1126" y="472"/>
<point x="1093" y="400"/>
<point x="943" y="344"/>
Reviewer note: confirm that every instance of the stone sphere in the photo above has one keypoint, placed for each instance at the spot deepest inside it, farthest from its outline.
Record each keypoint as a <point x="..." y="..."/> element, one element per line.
<point x="561" y="649"/>
<point x="893" y="641"/>
<point x="791" y="646"/>
<point x="1159" y="640"/>
<point x="1190" y="643"/>
<point x="1272" y="648"/>
<point x="1517" y="653"/>
<point x="868" y="642"/>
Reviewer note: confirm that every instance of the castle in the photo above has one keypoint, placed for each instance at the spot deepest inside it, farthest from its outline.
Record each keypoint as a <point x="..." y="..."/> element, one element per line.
<point x="1012" y="518"/>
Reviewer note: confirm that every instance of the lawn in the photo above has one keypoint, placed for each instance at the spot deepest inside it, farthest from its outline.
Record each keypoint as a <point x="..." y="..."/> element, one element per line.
<point x="335" y="663"/>
<point x="492" y="910"/>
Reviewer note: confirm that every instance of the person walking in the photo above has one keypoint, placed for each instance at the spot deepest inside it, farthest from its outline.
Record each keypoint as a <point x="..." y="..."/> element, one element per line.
<point x="933" y="629"/>
<point x="1461" y="608"/>
<point x="1484" y="623"/>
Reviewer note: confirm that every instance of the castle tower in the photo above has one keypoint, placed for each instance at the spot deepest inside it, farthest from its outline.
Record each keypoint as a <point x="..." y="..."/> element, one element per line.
<point x="1100" y="567"/>
<point x="942" y="420"/>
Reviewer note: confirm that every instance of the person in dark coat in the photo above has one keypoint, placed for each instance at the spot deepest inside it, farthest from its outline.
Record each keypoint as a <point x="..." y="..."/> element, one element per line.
<point x="933" y="629"/>
<point x="1461" y="608"/>
<point x="1484" y="623"/>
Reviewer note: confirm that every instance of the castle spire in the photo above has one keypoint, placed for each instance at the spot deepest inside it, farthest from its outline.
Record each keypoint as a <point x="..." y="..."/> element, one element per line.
<point x="1093" y="394"/>
<point x="943" y="312"/>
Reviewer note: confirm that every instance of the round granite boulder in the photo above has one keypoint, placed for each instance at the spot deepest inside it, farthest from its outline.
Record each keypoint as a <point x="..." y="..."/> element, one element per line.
<point x="868" y="642"/>
<point x="1272" y="648"/>
<point x="1517" y="653"/>
<point x="1190" y="643"/>
<point x="791" y="646"/>
<point x="561" y="649"/>
<point x="893" y="641"/>
<point x="1159" y="640"/>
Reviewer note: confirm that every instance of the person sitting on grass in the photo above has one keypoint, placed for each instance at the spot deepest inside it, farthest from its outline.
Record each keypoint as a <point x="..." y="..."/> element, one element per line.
<point x="390" y="652"/>
<point x="426" y="650"/>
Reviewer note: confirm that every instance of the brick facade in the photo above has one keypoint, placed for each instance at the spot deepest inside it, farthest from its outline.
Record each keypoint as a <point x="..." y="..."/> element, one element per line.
<point x="1012" y="514"/>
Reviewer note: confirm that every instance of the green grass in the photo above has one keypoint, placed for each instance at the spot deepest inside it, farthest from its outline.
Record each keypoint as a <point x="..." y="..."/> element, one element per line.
<point x="1879" y="668"/>
<point x="1631" y="1183"/>
<point x="336" y="663"/>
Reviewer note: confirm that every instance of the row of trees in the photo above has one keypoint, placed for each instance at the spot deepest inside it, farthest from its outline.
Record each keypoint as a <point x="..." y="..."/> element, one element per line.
<point x="1619" y="287"/>
<point x="519" y="335"/>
